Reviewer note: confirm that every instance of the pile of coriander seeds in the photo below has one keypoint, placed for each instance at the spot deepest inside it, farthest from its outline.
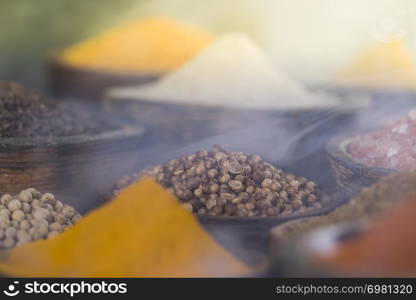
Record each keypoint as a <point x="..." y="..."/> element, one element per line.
<point x="31" y="216"/>
<point x="226" y="183"/>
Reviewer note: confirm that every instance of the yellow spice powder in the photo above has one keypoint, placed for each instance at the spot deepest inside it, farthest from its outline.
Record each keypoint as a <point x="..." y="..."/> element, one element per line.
<point x="155" y="44"/>
<point x="385" y="65"/>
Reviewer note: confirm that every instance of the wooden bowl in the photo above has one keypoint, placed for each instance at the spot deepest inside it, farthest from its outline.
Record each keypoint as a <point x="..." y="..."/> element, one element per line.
<point x="350" y="174"/>
<point x="74" y="168"/>
<point x="74" y="82"/>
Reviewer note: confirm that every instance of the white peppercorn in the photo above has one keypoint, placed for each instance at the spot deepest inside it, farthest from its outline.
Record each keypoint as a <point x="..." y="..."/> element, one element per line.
<point x="26" y="208"/>
<point x="10" y="232"/>
<point x="14" y="204"/>
<point x="25" y="196"/>
<point x="52" y="234"/>
<point x="25" y="224"/>
<point x="4" y="221"/>
<point x="75" y="219"/>
<point x="26" y="217"/>
<point x="55" y="227"/>
<point x="18" y="215"/>
<point x="23" y="236"/>
<point x="5" y="199"/>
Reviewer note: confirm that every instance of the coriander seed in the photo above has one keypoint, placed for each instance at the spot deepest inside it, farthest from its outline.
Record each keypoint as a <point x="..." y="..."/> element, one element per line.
<point x="226" y="183"/>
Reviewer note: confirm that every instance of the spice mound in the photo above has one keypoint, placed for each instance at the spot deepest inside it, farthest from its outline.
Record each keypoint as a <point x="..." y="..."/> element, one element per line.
<point x="226" y="183"/>
<point x="24" y="113"/>
<point x="31" y="216"/>
<point x="154" y="44"/>
<point x="231" y="72"/>
<point x="390" y="147"/>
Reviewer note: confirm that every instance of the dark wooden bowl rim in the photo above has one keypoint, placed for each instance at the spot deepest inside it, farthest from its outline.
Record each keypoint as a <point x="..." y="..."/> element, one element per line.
<point x="55" y="60"/>
<point x="15" y="144"/>
<point x="337" y="148"/>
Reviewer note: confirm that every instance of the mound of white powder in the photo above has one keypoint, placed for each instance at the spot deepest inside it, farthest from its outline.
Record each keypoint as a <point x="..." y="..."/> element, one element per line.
<point x="232" y="72"/>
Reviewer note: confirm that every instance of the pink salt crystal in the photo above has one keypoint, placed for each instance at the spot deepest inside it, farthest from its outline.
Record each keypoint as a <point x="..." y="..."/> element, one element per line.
<point x="393" y="162"/>
<point x="392" y="151"/>
<point x="412" y="114"/>
<point x="403" y="128"/>
<point x="393" y="146"/>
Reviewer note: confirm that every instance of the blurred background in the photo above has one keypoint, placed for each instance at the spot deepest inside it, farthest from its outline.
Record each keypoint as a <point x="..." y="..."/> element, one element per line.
<point x="310" y="39"/>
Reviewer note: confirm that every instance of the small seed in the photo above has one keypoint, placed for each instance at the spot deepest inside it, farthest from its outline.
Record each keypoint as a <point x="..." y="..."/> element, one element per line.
<point x="295" y="183"/>
<point x="4" y="221"/>
<point x="201" y="211"/>
<point x="236" y="185"/>
<point x="23" y="236"/>
<point x="225" y="178"/>
<point x="230" y="209"/>
<point x="297" y="204"/>
<point x="25" y="224"/>
<point x="18" y="215"/>
<point x="26" y="208"/>
<point x="14" y="205"/>
<point x="250" y="206"/>
<point x="198" y="192"/>
<point x="219" y="156"/>
<point x="75" y="219"/>
<point x="211" y="203"/>
<point x="48" y="198"/>
<point x="5" y="199"/>
<point x="52" y="234"/>
<point x="235" y="168"/>
<point x="25" y="196"/>
<point x="311" y="199"/>
<point x="186" y="205"/>
<point x="212" y="173"/>
<point x="310" y="185"/>
<point x="227" y="196"/>
<point x="272" y="211"/>
<point x="236" y="200"/>
<point x="10" y="232"/>
<point x="200" y="169"/>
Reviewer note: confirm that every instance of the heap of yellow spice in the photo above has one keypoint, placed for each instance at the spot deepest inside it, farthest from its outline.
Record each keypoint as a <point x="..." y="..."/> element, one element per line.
<point x="387" y="65"/>
<point x="153" y="45"/>
<point x="144" y="232"/>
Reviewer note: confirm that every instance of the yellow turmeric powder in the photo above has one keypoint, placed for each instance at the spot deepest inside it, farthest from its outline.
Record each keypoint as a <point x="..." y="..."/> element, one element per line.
<point x="155" y="44"/>
<point x="143" y="232"/>
<point x="387" y="65"/>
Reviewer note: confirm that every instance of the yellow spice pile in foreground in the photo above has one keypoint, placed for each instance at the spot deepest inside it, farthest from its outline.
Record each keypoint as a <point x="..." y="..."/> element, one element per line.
<point x="143" y="232"/>
<point x="146" y="45"/>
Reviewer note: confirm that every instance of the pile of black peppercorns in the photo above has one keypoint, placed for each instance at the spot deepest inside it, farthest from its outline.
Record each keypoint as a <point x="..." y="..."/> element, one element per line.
<point x="23" y="113"/>
<point x="227" y="183"/>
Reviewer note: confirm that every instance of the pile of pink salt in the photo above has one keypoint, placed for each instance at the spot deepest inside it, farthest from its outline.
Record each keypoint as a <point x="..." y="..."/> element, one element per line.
<point x="393" y="146"/>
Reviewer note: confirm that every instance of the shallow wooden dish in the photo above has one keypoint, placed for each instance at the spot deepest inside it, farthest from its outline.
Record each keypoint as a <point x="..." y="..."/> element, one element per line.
<point x="351" y="175"/>
<point x="74" y="168"/>
<point x="74" y="82"/>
